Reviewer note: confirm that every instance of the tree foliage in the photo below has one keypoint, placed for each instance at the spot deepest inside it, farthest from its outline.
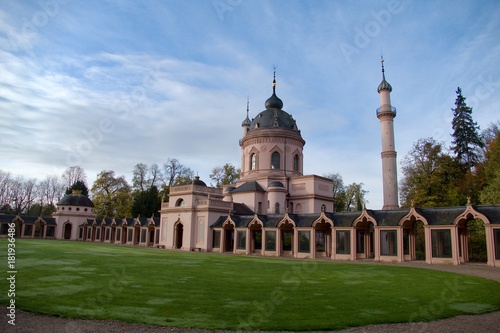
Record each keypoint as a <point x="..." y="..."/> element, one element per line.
<point x="111" y="195"/>
<point x="72" y="175"/>
<point x="430" y="176"/>
<point x="79" y="185"/>
<point x="146" y="203"/>
<point x="347" y="198"/>
<point x="490" y="194"/>
<point x="224" y="175"/>
<point x="466" y="142"/>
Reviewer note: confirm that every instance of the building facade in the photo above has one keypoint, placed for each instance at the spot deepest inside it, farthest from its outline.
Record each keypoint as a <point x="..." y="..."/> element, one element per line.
<point x="276" y="210"/>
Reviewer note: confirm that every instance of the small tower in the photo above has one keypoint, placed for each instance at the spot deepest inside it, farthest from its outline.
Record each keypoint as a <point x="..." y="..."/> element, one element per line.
<point x="386" y="114"/>
<point x="246" y="123"/>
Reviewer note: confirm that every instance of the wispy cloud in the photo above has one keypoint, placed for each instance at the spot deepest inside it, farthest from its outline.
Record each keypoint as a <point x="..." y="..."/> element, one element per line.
<point x="107" y="85"/>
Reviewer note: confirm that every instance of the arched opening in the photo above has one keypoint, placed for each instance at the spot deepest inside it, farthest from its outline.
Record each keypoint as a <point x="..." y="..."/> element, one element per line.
<point x="94" y="231"/>
<point x="256" y="238"/>
<point x="276" y="208"/>
<point x="413" y="239"/>
<point x="253" y="161"/>
<point x="286" y="234"/>
<point x="124" y="235"/>
<point x="151" y="235"/>
<point x="323" y="239"/>
<point x="472" y="240"/>
<point x="137" y="235"/>
<point x="67" y="230"/>
<point x="113" y="234"/>
<point x="39" y="229"/>
<point x="178" y="235"/>
<point x="296" y="162"/>
<point x="179" y="203"/>
<point x="364" y="240"/>
<point x="275" y="160"/>
<point x="228" y="238"/>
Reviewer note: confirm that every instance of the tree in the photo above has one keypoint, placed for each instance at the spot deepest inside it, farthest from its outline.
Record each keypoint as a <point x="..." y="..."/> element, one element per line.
<point x="431" y="177"/>
<point x="74" y="174"/>
<point x="144" y="177"/>
<point x="225" y="175"/>
<point x="354" y="197"/>
<point x="339" y="191"/>
<point x="171" y="170"/>
<point x="111" y="195"/>
<point x="146" y="203"/>
<point x="78" y="186"/>
<point x="490" y="195"/>
<point x="466" y="142"/>
<point x="50" y="191"/>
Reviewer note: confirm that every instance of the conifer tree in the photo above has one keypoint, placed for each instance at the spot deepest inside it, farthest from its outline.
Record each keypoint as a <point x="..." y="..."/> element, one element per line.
<point x="466" y="139"/>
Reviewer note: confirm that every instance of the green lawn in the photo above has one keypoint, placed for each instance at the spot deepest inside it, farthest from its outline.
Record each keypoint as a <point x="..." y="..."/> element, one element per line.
<point x="101" y="281"/>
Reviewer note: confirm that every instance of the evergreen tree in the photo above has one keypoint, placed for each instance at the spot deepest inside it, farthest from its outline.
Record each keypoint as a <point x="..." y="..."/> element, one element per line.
<point x="466" y="140"/>
<point x="146" y="203"/>
<point x="79" y="186"/>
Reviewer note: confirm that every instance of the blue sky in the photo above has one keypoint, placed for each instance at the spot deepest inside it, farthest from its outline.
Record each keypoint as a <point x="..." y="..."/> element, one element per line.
<point x="109" y="84"/>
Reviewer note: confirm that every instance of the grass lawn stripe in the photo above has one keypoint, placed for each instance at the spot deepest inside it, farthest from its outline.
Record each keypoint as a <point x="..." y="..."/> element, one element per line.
<point x="213" y="291"/>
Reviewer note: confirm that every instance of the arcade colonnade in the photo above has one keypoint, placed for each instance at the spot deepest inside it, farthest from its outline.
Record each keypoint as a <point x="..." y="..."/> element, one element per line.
<point x="386" y="236"/>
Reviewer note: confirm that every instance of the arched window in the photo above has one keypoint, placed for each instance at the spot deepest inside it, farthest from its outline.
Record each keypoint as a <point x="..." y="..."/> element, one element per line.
<point x="296" y="162"/>
<point x="275" y="160"/>
<point x="253" y="161"/>
<point x="277" y="208"/>
<point x="179" y="203"/>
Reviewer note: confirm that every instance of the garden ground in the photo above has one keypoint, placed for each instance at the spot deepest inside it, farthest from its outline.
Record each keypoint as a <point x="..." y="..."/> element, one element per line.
<point x="29" y="322"/>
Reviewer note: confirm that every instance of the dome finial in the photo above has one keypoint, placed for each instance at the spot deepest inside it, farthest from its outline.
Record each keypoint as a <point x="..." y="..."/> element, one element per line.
<point x="274" y="79"/>
<point x="274" y="102"/>
<point x="384" y="85"/>
<point x="383" y="70"/>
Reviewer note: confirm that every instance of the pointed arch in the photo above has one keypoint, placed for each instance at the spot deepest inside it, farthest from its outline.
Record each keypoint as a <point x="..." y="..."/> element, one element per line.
<point x="364" y="218"/>
<point x="67" y="230"/>
<point x="253" y="162"/>
<point x="276" y="158"/>
<point x="286" y="220"/>
<point x="413" y="216"/>
<point x="323" y="219"/>
<point x="178" y="234"/>
<point x="470" y="214"/>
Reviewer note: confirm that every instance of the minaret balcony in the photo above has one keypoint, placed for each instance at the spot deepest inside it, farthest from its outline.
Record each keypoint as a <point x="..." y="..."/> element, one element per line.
<point x="386" y="109"/>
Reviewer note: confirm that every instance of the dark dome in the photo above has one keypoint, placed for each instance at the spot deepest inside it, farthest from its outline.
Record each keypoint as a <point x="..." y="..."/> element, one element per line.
<point x="274" y="102"/>
<point x="198" y="182"/>
<point x="274" y="118"/>
<point x="276" y="184"/>
<point x="246" y="122"/>
<point x="76" y="200"/>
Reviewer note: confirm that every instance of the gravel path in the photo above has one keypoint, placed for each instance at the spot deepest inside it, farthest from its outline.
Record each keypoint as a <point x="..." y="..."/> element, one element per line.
<point x="28" y="322"/>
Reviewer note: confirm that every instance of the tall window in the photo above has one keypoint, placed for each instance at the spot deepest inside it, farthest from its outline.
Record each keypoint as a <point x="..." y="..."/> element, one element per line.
<point x="270" y="240"/>
<point x="343" y="242"/>
<point x="304" y="241"/>
<point x="296" y="162"/>
<point x="253" y="161"/>
<point x="275" y="160"/>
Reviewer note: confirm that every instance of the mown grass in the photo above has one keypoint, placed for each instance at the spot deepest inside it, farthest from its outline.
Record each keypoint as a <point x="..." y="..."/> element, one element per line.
<point x="213" y="291"/>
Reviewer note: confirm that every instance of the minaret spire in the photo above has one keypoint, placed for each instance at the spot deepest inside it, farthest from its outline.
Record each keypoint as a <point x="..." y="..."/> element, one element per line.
<point x="386" y="114"/>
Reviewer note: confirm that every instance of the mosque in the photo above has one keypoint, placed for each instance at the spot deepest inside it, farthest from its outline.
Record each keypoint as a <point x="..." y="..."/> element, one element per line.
<point x="276" y="210"/>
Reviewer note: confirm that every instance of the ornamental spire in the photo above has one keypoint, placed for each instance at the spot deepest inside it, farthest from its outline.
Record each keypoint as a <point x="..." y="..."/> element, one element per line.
<point x="274" y="80"/>
<point x="384" y="85"/>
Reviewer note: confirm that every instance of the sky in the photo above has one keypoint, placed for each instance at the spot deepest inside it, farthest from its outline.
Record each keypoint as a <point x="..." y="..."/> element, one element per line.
<point x="109" y="84"/>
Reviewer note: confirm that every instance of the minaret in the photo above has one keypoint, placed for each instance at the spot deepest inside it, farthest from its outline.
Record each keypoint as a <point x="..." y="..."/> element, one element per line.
<point x="386" y="114"/>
